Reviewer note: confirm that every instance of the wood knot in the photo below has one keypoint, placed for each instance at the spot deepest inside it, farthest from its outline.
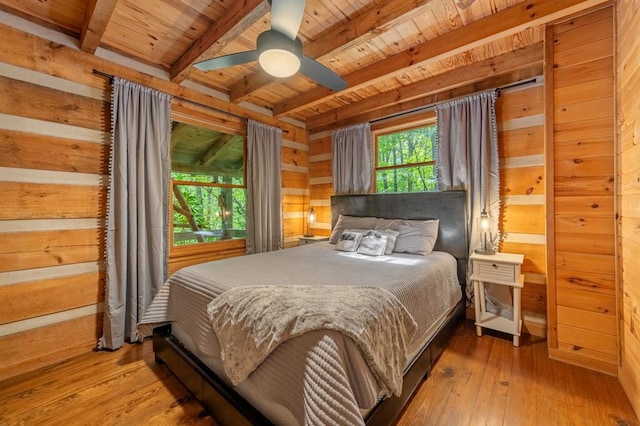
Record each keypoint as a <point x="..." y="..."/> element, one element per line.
<point x="578" y="160"/>
<point x="448" y="372"/>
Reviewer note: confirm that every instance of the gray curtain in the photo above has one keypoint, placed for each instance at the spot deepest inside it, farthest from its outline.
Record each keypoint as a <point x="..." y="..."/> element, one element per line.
<point x="264" y="187"/>
<point x="468" y="157"/>
<point x="352" y="159"/>
<point x="137" y="207"/>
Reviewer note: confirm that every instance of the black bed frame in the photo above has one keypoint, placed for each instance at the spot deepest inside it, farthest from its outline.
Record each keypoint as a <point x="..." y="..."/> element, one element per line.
<point x="230" y="408"/>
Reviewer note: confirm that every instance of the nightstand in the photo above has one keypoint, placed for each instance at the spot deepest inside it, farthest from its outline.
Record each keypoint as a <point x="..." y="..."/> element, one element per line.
<point x="501" y="269"/>
<point x="303" y="241"/>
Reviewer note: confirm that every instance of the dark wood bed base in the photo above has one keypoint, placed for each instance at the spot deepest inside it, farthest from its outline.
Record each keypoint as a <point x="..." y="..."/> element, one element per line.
<point x="230" y="408"/>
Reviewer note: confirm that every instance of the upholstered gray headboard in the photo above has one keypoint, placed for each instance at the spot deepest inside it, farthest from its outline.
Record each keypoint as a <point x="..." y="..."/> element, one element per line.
<point x="449" y="207"/>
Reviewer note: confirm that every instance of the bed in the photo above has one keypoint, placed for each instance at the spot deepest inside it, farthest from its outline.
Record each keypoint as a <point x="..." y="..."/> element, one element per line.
<point x="321" y="376"/>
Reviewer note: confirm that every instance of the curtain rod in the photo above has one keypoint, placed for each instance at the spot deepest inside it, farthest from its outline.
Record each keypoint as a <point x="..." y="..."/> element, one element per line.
<point x="432" y="105"/>
<point x="110" y="77"/>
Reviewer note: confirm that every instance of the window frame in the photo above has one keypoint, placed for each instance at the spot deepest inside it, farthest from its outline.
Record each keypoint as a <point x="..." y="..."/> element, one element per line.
<point x="399" y="128"/>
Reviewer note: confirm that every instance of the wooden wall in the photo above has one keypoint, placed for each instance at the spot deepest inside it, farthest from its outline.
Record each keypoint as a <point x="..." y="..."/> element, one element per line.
<point x="54" y="138"/>
<point x="520" y="120"/>
<point x="580" y="165"/>
<point x="628" y="105"/>
<point x="53" y="157"/>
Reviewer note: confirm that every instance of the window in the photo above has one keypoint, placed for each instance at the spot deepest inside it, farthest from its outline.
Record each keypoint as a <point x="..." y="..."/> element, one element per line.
<point x="406" y="160"/>
<point x="208" y="185"/>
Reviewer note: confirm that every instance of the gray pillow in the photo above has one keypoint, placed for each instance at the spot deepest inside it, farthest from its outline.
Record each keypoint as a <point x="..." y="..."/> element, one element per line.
<point x="416" y="236"/>
<point x="373" y="243"/>
<point x="389" y="233"/>
<point x="351" y="222"/>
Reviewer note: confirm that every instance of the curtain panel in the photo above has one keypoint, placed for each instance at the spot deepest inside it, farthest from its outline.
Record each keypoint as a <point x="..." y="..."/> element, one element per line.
<point x="352" y="159"/>
<point x="468" y="160"/>
<point x="137" y="208"/>
<point x="468" y="156"/>
<point x="264" y="188"/>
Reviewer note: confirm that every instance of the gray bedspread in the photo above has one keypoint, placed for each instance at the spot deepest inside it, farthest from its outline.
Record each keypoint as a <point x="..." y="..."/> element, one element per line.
<point x="320" y="377"/>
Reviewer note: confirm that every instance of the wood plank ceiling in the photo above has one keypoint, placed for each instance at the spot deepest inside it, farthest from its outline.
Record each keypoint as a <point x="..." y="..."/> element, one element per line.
<point x="394" y="54"/>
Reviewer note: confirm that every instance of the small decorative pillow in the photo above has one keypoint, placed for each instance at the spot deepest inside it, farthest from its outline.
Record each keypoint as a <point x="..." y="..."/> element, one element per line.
<point x="349" y="241"/>
<point x="389" y="233"/>
<point x="373" y="244"/>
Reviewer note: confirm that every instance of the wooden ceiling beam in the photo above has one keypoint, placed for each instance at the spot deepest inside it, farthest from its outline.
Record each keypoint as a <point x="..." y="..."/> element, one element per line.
<point x="493" y="27"/>
<point x="95" y="23"/>
<point x="494" y="82"/>
<point x="501" y="64"/>
<point x="351" y="32"/>
<point x="217" y="149"/>
<point x="178" y="131"/>
<point x="242" y="15"/>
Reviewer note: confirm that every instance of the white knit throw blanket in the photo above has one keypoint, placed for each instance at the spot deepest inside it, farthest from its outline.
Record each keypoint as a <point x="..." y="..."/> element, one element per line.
<point x="250" y="322"/>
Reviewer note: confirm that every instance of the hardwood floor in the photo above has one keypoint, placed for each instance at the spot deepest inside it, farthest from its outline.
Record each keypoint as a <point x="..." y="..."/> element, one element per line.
<point x="477" y="381"/>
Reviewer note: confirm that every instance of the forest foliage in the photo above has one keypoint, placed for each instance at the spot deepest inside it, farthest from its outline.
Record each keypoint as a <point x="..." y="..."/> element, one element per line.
<point x="406" y="161"/>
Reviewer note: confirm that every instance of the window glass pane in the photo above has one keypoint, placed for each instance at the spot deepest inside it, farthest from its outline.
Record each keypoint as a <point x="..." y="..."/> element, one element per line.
<point x="203" y="152"/>
<point x="407" y="179"/>
<point x="207" y="167"/>
<point x="208" y="213"/>
<point x="407" y="147"/>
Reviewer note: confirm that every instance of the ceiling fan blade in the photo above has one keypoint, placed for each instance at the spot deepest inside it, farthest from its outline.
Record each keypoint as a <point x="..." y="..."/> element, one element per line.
<point x="322" y="75"/>
<point x="286" y="16"/>
<point x="227" y="60"/>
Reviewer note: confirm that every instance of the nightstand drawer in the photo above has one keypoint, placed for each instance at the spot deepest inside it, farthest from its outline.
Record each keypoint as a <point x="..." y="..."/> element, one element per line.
<point x="495" y="271"/>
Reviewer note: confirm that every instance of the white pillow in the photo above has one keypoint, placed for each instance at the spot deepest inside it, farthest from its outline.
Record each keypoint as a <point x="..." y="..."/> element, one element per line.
<point x="389" y="233"/>
<point x="373" y="244"/>
<point x="349" y="241"/>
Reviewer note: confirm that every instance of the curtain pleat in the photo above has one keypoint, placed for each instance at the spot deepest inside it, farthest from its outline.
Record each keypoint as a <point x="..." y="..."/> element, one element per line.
<point x="137" y="208"/>
<point x="264" y="188"/>
<point x="352" y="159"/>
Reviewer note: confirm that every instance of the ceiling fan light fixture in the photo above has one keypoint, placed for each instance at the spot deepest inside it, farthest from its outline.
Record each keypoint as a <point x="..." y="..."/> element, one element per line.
<point x="278" y="55"/>
<point x="279" y="63"/>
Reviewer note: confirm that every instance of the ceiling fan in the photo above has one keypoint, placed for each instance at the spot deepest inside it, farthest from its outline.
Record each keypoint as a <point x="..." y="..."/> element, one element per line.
<point x="279" y="50"/>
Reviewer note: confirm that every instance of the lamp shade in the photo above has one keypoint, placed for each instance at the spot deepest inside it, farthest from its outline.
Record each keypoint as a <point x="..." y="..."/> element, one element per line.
<point x="484" y="227"/>
<point x="311" y="218"/>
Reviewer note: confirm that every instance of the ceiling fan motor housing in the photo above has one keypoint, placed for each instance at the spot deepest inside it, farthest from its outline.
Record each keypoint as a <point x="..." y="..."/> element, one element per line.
<point x="279" y="55"/>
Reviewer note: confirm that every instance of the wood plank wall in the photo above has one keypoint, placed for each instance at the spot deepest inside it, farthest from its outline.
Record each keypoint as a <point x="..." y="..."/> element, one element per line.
<point x="520" y="120"/>
<point x="52" y="168"/>
<point x="628" y="93"/>
<point x="54" y="138"/>
<point x="580" y="161"/>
